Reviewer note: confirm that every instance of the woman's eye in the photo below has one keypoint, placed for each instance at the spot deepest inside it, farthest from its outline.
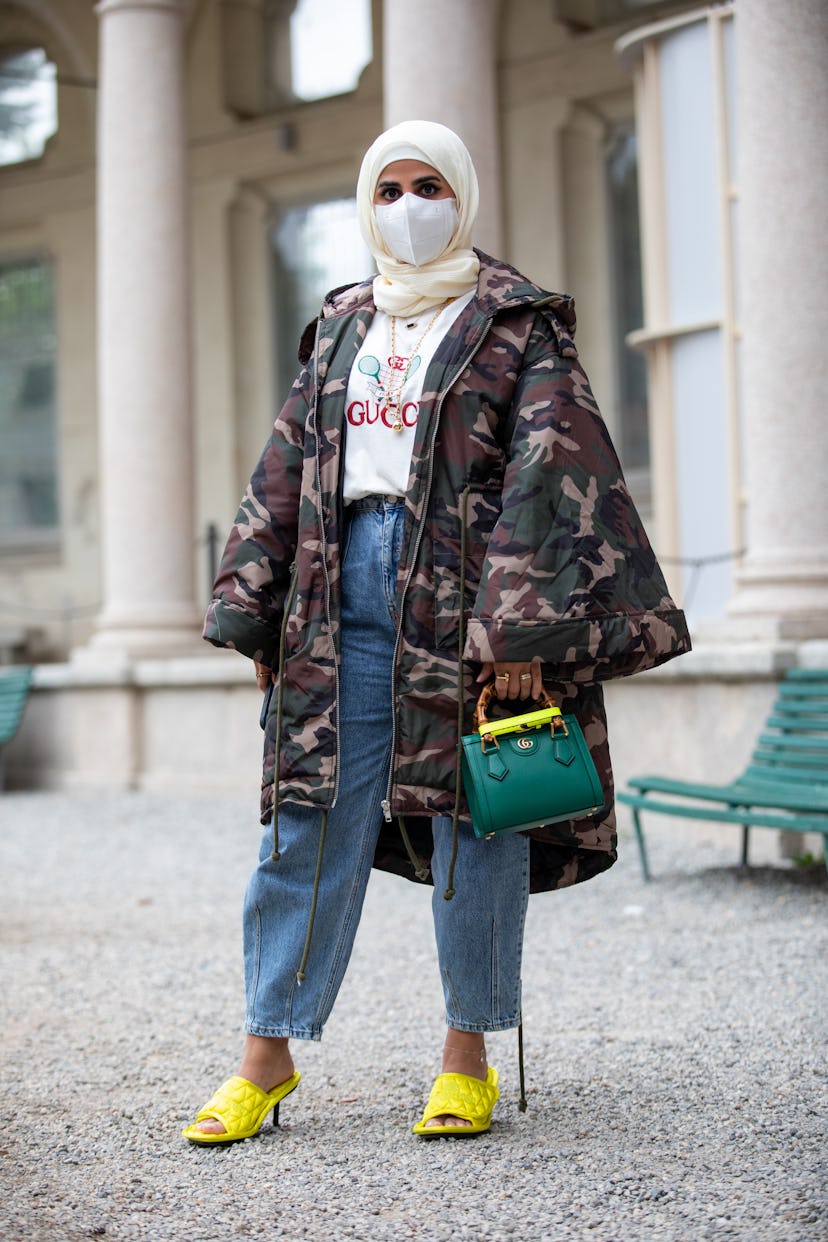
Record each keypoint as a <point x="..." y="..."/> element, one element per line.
<point x="429" y="189"/>
<point x="389" y="194"/>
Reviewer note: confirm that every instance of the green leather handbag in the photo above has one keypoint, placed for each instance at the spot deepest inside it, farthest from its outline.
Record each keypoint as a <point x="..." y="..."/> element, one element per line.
<point x="526" y="771"/>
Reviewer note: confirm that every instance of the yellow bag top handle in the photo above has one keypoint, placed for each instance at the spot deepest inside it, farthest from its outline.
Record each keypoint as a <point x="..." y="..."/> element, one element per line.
<point x="515" y="724"/>
<point x="511" y="724"/>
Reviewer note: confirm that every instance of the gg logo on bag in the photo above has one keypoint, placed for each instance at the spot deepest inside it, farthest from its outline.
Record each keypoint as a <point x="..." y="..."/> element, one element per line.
<point x="525" y="743"/>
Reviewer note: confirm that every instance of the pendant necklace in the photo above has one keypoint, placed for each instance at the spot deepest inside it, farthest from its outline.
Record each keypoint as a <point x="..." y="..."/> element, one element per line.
<point x="393" y="400"/>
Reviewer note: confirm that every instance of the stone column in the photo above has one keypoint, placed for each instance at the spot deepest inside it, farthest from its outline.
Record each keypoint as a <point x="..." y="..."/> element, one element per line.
<point x="252" y="330"/>
<point x="782" y="102"/>
<point x="243" y="57"/>
<point x="145" y="421"/>
<point x="439" y="65"/>
<point x="277" y="49"/>
<point x="533" y="154"/>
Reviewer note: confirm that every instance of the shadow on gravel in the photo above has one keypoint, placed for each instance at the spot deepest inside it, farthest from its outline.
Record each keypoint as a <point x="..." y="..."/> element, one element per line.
<point x="777" y="879"/>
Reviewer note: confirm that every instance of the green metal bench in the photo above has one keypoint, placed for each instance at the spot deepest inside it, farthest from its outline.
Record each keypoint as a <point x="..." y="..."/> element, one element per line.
<point x="784" y="786"/>
<point x="14" y="692"/>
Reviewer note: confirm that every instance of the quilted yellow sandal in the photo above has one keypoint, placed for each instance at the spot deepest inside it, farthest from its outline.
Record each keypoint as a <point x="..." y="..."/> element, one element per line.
<point x="458" y="1095"/>
<point x="241" y="1107"/>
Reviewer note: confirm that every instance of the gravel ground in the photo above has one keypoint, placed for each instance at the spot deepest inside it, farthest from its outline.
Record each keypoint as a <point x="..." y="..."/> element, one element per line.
<point x="676" y="1041"/>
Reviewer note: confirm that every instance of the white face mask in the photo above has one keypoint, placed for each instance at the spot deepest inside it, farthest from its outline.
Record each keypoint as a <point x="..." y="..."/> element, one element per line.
<point x="417" y="230"/>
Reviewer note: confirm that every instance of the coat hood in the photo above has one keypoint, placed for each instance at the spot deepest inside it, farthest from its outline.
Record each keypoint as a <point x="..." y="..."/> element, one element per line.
<point x="500" y="288"/>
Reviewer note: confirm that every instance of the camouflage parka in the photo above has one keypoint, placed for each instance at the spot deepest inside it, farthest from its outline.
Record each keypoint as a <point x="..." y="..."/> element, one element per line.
<point x="557" y="563"/>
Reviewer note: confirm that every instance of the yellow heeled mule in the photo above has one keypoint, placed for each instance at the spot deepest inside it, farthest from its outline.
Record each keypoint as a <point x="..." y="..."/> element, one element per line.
<point x="458" y="1095"/>
<point x="241" y="1107"/>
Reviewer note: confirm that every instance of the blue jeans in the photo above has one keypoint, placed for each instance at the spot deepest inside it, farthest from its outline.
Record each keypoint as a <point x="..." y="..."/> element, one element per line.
<point x="479" y="932"/>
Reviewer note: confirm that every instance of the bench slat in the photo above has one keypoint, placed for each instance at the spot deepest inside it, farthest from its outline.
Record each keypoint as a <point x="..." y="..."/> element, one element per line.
<point x="781" y="774"/>
<point x="793" y="768"/>
<point x="803" y="798"/>
<point x="812" y="747"/>
<point x="795" y="728"/>
<point x="791" y="759"/>
<point x="756" y="819"/>
<point x="801" y="715"/>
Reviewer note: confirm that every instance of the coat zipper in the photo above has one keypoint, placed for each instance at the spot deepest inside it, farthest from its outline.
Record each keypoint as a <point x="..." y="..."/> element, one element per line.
<point x="324" y="541"/>
<point x="386" y="801"/>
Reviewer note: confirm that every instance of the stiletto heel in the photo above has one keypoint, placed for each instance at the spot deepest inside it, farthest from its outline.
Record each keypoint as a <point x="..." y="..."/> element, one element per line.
<point x="241" y="1107"/>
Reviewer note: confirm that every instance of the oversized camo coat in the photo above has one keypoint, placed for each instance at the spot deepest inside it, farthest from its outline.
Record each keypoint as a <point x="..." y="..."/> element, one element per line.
<point x="557" y="566"/>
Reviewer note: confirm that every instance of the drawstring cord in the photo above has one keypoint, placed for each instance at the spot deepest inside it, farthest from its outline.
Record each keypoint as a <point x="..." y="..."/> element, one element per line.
<point x="280" y="691"/>
<point x="420" y="870"/>
<point x="522" y="1105"/>
<point x="461" y="642"/>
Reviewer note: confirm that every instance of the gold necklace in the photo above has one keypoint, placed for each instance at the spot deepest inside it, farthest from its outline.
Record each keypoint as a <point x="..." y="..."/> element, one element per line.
<point x="393" y="399"/>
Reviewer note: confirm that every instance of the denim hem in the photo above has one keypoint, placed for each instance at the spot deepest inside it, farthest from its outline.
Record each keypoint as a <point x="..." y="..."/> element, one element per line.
<point x="283" y="1032"/>
<point x="477" y="1028"/>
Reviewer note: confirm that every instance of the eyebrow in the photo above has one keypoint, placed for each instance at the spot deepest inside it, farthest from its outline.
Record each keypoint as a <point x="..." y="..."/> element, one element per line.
<point x="389" y="181"/>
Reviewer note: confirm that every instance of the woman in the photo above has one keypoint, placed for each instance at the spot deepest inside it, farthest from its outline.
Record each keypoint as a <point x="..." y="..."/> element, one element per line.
<point x="440" y="406"/>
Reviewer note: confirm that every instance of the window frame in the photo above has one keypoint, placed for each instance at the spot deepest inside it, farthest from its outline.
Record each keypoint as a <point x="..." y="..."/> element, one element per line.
<point x="283" y="337"/>
<point x="31" y="539"/>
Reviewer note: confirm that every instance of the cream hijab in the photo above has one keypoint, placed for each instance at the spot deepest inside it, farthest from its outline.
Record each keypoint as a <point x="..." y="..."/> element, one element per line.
<point x="400" y="288"/>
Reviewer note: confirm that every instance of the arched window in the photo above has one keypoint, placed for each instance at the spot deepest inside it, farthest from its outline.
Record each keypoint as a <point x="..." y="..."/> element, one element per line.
<point x="316" y="247"/>
<point x="330" y="45"/>
<point x="28" y="104"/>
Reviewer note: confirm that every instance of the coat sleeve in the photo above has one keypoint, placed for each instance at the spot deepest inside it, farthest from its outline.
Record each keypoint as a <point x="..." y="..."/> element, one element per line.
<point x="254" y="576"/>
<point x="569" y="574"/>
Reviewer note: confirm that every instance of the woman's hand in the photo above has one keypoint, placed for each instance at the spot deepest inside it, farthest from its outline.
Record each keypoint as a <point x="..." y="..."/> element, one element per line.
<point x="517" y="680"/>
<point x="264" y="675"/>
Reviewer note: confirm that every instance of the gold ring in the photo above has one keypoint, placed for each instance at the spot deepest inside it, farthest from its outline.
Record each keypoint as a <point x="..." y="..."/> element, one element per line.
<point x="502" y="677"/>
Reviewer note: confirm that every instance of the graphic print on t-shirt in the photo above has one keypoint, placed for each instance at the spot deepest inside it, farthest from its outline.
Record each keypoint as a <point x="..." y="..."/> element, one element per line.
<point x="381" y="426"/>
<point x="380" y="376"/>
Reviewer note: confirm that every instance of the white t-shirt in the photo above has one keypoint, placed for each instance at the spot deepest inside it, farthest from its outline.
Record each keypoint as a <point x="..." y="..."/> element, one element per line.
<point x="378" y="458"/>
